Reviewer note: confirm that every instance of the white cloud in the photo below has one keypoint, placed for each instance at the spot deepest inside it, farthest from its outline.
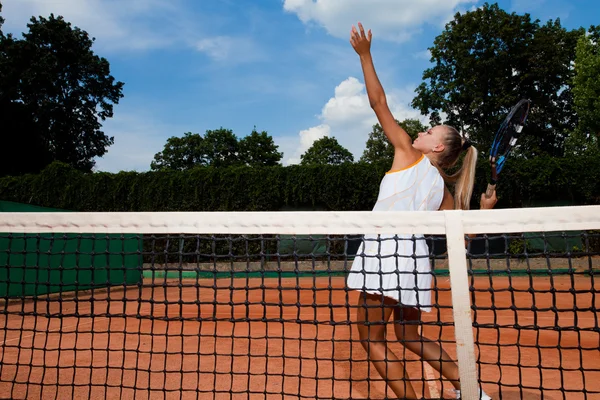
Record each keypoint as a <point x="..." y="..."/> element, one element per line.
<point x="135" y="25"/>
<point x="348" y="117"/>
<point x="423" y="55"/>
<point x="117" y="25"/>
<point x="395" y="20"/>
<point x="307" y="138"/>
<point x="230" y="49"/>
<point x="138" y="137"/>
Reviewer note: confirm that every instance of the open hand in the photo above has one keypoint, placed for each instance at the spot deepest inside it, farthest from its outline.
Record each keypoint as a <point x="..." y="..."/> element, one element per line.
<point x="360" y="41"/>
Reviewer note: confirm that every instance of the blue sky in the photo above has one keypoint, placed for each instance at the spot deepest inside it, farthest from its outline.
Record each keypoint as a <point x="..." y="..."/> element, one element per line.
<point x="284" y="66"/>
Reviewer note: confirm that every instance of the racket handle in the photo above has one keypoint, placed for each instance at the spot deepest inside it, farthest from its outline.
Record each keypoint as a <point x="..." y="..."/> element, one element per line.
<point x="490" y="190"/>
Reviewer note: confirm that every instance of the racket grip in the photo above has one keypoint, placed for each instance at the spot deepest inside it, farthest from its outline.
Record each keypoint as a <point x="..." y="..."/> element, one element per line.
<point x="490" y="190"/>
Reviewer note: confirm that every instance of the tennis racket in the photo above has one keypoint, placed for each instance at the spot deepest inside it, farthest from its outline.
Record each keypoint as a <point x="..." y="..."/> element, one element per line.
<point x="505" y="140"/>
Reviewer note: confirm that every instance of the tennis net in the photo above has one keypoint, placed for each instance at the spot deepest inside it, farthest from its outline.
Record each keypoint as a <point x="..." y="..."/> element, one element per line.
<point x="260" y="305"/>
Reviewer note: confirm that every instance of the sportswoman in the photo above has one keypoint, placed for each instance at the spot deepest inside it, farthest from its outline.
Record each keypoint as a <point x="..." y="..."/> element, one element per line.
<point x="395" y="275"/>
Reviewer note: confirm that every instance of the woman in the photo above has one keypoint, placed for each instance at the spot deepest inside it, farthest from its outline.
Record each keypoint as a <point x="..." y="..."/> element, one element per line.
<point x="393" y="273"/>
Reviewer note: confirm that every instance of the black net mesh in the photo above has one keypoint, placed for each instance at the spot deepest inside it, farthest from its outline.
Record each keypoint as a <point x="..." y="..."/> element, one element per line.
<point x="276" y="316"/>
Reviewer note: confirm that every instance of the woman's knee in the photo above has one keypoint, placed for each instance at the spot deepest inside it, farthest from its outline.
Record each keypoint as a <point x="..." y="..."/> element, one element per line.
<point x="372" y="315"/>
<point x="373" y="341"/>
<point x="406" y="326"/>
<point x="372" y="334"/>
<point x="407" y="333"/>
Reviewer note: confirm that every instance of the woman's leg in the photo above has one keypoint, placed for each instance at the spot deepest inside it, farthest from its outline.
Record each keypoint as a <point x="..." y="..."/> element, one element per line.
<point x="406" y="326"/>
<point x="372" y="315"/>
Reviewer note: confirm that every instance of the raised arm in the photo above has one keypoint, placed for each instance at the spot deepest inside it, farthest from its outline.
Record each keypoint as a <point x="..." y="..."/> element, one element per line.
<point x="361" y="42"/>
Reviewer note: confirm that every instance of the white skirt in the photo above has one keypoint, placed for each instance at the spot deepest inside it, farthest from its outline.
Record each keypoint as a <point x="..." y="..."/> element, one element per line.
<point x="395" y="266"/>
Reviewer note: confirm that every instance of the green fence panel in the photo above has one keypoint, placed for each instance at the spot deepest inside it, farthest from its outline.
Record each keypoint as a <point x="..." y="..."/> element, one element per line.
<point x="35" y="264"/>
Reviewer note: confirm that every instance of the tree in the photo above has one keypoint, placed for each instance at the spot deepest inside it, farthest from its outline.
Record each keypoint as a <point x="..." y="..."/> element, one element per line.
<point x="326" y="150"/>
<point x="221" y="148"/>
<point x="181" y="153"/>
<point x="485" y="61"/>
<point x="379" y="148"/>
<point x="259" y="149"/>
<point x="217" y="148"/>
<point x="55" y="92"/>
<point x="586" y="89"/>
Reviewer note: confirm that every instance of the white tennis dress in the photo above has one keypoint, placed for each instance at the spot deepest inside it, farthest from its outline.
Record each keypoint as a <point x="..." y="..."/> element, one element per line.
<point x="398" y="266"/>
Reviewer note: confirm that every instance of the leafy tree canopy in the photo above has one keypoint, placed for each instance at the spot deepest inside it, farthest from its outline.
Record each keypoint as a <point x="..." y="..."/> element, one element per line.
<point x="54" y="94"/>
<point x="326" y="150"/>
<point x="217" y="148"/>
<point x="485" y="61"/>
<point x="586" y="91"/>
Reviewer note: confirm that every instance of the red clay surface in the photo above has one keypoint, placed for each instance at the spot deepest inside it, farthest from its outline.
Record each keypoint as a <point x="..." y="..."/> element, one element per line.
<point x="129" y="355"/>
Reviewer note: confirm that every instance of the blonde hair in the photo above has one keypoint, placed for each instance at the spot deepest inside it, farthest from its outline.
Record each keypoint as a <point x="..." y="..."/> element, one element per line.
<point x="464" y="178"/>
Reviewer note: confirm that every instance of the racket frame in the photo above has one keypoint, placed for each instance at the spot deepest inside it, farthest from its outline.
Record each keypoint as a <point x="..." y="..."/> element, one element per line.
<point x="497" y="162"/>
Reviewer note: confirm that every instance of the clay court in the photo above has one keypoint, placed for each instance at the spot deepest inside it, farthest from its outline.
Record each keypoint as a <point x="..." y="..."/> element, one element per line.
<point x="201" y="341"/>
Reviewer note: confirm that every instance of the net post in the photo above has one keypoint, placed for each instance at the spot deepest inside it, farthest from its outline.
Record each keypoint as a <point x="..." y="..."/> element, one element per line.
<point x="461" y="304"/>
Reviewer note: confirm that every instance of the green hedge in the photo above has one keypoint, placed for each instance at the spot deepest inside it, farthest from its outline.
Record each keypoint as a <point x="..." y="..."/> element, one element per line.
<point x="537" y="181"/>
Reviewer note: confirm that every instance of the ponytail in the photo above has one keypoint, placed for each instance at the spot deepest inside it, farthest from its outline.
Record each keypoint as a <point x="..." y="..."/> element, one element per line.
<point x="463" y="190"/>
<point x="464" y="179"/>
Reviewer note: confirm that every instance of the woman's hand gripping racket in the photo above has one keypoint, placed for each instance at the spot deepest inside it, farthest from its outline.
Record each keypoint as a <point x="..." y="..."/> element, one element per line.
<point x="505" y="140"/>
